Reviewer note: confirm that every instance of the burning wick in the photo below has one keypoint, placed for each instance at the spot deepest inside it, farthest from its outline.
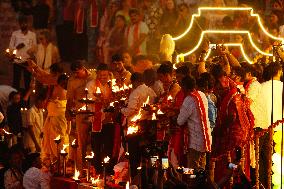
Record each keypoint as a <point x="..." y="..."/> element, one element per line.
<point x="57" y="138"/>
<point x="132" y="130"/>
<point x="14" y="52"/>
<point x="126" y="153"/>
<point x="33" y="91"/>
<point x="111" y="104"/>
<point x="7" y="50"/>
<point x="76" y="175"/>
<point x="170" y="98"/>
<point x="98" y="91"/>
<point x="146" y="102"/>
<point x="90" y="156"/>
<point x="159" y="112"/>
<point x="139" y="168"/>
<point x="95" y="181"/>
<point x="106" y="159"/>
<point x="83" y="108"/>
<point x="154" y="116"/>
<point x="73" y="142"/>
<point x="137" y="117"/>
<point x="64" y="147"/>
<point x="86" y="89"/>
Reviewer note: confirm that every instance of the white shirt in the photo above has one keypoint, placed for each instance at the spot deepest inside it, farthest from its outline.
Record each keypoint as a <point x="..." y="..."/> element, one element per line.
<point x="189" y="113"/>
<point x="256" y="106"/>
<point x="266" y="99"/>
<point x="34" y="119"/>
<point x="143" y="29"/>
<point x="29" y="40"/>
<point x="34" y="179"/>
<point x="136" y="99"/>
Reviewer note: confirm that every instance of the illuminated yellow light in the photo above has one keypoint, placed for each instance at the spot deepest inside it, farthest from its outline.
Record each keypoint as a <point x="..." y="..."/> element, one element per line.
<point x="200" y="9"/>
<point x="232" y="45"/>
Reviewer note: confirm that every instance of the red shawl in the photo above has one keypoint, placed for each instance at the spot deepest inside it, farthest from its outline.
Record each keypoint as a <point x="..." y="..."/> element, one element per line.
<point x="203" y="119"/>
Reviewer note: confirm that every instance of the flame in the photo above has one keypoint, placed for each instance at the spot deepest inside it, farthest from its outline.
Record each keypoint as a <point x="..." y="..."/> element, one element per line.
<point x="132" y="130"/>
<point x="123" y="98"/>
<point x="159" y="112"/>
<point x="74" y="142"/>
<point x="57" y="138"/>
<point x="154" y="116"/>
<point x="106" y="159"/>
<point x="111" y="104"/>
<point x="127" y="185"/>
<point x="115" y="89"/>
<point x="147" y="101"/>
<point x="137" y="117"/>
<point x="130" y="86"/>
<point x="113" y="82"/>
<point x="126" y="153"/>
<point x="170" y="98"/>
<point x="76" y="175"/>
<point x="20" y="58"/>
<point x="98" y="91"/>
<point x="139" y="168"/>
<point x="64" y="147"/>
<point x="6" y="132"/>
<point x="34" y="91"/>
<point x="83" y="108"/>
<point x="125" y="87"/>
<point x="121" y="89"/>
<point x="86" y="89"/>
<point x="95" y="181"/>
<point x="90" y="156"/>
<point x="7" y="50"/>
<point x="15" y="52"/>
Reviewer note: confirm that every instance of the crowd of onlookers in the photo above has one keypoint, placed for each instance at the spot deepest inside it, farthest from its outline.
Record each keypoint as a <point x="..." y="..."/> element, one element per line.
<point x="127" y="48"/>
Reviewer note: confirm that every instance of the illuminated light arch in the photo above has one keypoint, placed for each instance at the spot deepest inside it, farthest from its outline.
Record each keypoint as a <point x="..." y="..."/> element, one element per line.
<point x="200" y="9"/>
<point x="232" y="45"/>
<point x="223" y="32"/>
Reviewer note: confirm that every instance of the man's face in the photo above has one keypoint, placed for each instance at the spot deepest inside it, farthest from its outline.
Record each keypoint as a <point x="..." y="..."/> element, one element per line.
<point x="118" y="66"/>
<point x="103" y="76"/>
<point x="134" y="17"/>
<point x="23" y="26"/>
<point x="166" y="79"/>
<point x="126" y="58"/>
<point x="80" y="73"/>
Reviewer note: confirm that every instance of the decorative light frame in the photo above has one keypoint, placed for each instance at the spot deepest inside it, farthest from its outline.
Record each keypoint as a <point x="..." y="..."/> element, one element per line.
<point x="200" y="9"/>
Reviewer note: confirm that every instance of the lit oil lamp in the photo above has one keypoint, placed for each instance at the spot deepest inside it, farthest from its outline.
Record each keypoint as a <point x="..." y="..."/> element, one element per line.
<point x="105" y="163"/>
<point x="76" y="175"/>
<point x="64" y="154"/>
<point x="89" y="158"/>
<point x="74" y="146"/>
<point x="57" y="141"/>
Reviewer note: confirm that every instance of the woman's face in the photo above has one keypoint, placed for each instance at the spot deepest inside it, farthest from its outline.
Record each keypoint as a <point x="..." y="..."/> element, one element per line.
<point x="119" y="22"/>
<point x="273" y="18"/>
<point x="42" y="39"/>
<point x="170" y="4"/>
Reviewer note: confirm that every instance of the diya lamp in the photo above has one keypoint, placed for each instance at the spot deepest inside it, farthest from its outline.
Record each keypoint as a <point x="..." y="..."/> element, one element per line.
<point x="75" y="145"/>
<point x="98" y="92"/>
<point x="64" y="154"/>
<point x="57" y="141"/>
<point x="105" y="163"/>
<point x="76" y="176"/>
<point x="89" y="158"/>
<point x="96" y="183"/>
<point x="139" y="176"/>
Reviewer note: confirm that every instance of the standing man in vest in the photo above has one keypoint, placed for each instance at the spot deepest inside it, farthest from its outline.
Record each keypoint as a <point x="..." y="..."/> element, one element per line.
<point x="22" y="40"/>
<point x="136" y="34"/>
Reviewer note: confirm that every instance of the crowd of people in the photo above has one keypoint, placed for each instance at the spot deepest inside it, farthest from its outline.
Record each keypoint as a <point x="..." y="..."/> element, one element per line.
<point x="193" y="112"/>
